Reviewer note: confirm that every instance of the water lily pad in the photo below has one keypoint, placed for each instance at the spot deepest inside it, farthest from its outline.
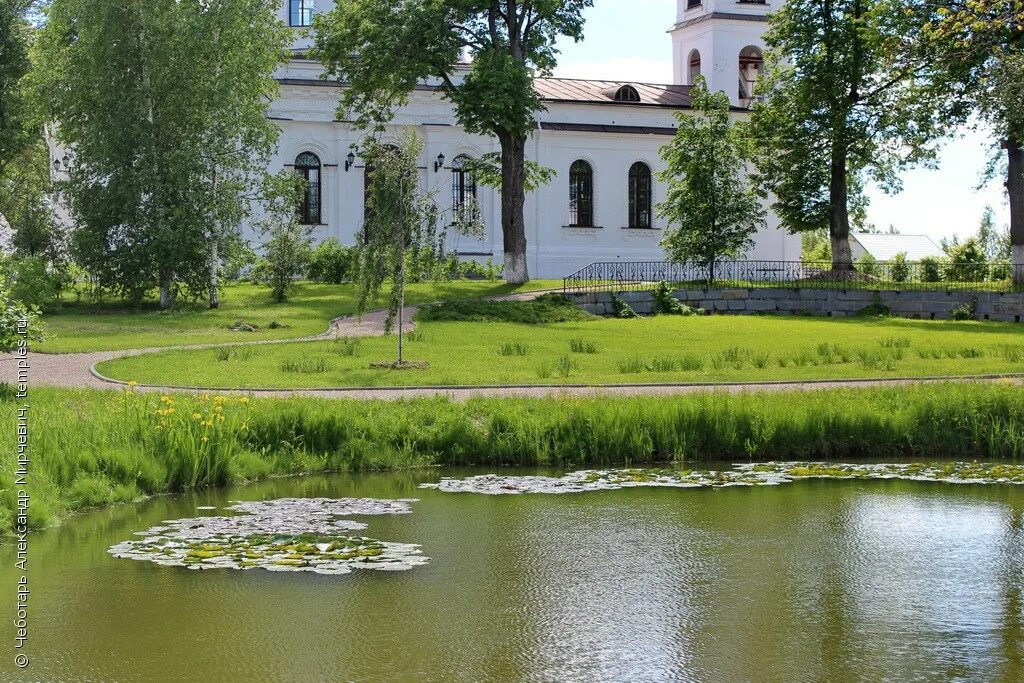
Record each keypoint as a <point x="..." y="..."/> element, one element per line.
<point x="288" y="534"/>
<point x="747" y="474"/>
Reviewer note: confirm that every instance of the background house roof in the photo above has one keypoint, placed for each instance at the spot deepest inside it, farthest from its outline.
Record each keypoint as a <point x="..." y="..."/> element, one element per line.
<point x="603" y="92"/>
<point x="885" y="247"/>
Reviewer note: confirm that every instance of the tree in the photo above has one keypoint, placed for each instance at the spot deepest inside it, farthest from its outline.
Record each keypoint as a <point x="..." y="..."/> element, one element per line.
<point x="993" y="241"/>
<point x="981" y="43"/>
<point x="712" y="209"/>
<point x="287" y="248"/>
<point x="384" y="49"/>
<point x="240" y="44"/>
<point x="162" y="104"/>
<point x="14" y="64"/>
<point x="847" y="103"/>
<point x="26" y="201"/>
<point x="402" y="230"/>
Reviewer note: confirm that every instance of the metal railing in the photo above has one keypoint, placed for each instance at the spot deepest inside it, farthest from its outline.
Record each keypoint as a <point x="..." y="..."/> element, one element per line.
<point x="931" y="275"/>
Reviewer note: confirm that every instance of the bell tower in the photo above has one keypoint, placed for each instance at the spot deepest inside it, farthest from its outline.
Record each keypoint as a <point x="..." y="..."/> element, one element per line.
<point x="723" y="41"/>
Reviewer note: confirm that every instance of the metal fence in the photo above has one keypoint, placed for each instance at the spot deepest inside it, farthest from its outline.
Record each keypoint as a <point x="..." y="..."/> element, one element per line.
<point x="895" y="275"/>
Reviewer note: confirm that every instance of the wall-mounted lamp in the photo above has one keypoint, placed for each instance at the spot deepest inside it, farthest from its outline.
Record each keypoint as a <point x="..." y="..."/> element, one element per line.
<point x="349" y="161"/>
<point x="61" y="164"/>
<point x="439" y="164"/>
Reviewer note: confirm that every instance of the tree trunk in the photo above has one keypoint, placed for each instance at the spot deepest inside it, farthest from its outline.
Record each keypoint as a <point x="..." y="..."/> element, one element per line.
<point x="1015" y="189"/>
<point x="513" y="199"/>
<point x="166" y="289"/>
<point x="839" y="218"/>
<point x="214" y="282"/>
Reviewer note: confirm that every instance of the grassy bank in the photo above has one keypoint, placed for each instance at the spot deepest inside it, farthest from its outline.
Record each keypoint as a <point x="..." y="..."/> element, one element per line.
<point x="113" y="326"/>
<point x="95" y="448"/>
<point x="476" y="348"/>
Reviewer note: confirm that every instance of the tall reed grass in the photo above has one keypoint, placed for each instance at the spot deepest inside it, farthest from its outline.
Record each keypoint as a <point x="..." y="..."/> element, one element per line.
<point x="93" y="447"/>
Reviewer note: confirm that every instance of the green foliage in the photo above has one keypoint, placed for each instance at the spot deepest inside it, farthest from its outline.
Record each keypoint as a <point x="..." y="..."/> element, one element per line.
<point x="899" y="269"/>
<point x="868" y="265"/>
<point x="815" y="247"/>
<point x="621" y="308"/>
<point x="26" y="203"/>
<point x="15" y="37"/>
<point x="331" y="262"/>
<point x="577" y="345"/>
<point x="164" y="105"/>
<point x="847" y="102"/>
<point x="18" y="323"/>
<point x="401" y="227"/>
<point x="547" y="308"/>
<point x="713" y="211"/>
<point x="967" y="262"/>
<point x="931" y="269"/>
<point x="91" y="448"/>
<point x="382" y="50"/>
<point x="286" y="246"/>
<point x="513" y="348"/>
<point x="487" y="171"/>
<point x="31" y="281"/>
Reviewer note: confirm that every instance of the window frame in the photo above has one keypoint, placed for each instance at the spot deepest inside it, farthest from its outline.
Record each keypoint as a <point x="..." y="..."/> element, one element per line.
<point x="464" y="185"/>
<point x="639" y="194"/>
<point x="581" y="179"/>
<point x="312" y="174"/>
<point x="300" y="13"/>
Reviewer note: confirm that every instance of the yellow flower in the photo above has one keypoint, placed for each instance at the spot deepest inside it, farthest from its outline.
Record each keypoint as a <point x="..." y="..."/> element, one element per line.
<point x="197" y="416"/>
<point x="133" y="383"/>
<point x="204" y="439"/>
<point x="244" y="400"/>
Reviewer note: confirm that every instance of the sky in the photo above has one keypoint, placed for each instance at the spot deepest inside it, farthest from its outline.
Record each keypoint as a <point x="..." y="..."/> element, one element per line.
<point x="627" y="40"/>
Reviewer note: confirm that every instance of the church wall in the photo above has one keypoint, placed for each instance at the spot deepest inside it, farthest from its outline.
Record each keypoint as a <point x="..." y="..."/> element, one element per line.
<point x="306" y="116"/>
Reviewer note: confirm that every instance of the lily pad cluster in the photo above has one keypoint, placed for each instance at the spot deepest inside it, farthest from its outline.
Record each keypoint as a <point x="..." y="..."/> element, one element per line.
<point x="760" y="474"/>
<point x="288" y="534"/>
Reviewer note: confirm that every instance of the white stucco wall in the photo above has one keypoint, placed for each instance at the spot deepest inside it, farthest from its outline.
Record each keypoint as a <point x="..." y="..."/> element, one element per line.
<point x="306" y="115"/>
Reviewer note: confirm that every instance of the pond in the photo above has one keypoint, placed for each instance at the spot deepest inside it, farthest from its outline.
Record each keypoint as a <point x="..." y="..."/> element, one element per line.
<point x="814" y="580"/>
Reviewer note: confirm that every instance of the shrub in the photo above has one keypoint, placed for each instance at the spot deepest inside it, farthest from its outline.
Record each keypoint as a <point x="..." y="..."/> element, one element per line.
<point x="965" y="311"/>
<point x="899" y="269"/>
<point x="665" y="303"/>
<point x="547" y="308"/>
<point x="691" y="364"/>
<point x="565" y="366"/>
<point x="663" y="364"/>
<point x="868" y="265"/>
<point x="1000" y="270"/>
<point x="931" y="269"/>
<point x="31" y="282"/>
<point x="967" y="262"/>
<point x="621" y="309"/>
<point x="286" y="254"/>
<point x="631" y="366"/>
<point x="331" y="262"/>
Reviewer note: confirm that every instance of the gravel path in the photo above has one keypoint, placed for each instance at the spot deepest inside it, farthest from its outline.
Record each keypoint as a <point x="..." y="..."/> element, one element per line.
<point x="75" y="370"/>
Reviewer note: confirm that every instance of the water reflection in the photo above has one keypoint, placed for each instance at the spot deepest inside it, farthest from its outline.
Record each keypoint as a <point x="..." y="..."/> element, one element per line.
<point x="814" y="581"/>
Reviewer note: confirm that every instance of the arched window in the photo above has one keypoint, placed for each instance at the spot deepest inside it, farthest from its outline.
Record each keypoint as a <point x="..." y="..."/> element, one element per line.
<point x="307" y="165"/>
<point x="751" y="65"/>
<point x="627" y="93"/>
<point x="581" y="195"/>
<point x="463" y="186"/>
<point x="640" y="195"/>
<point x="694" y="66"/>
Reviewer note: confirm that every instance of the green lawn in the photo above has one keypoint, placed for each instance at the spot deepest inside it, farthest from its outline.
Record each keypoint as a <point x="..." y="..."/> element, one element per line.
<point x="112" y="327"/>
<point x="650" y="350"/>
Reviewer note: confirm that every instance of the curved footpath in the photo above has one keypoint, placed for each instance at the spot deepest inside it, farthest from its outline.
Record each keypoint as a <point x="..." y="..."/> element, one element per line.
<point x="77" y="370"/>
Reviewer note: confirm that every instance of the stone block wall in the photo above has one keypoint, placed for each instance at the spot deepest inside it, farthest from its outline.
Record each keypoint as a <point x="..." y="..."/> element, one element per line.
<point x="1001" y="306"/>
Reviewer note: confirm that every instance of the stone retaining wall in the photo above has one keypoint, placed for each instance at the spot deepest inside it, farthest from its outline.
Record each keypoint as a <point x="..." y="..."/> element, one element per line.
<point x="1003" y="306"/>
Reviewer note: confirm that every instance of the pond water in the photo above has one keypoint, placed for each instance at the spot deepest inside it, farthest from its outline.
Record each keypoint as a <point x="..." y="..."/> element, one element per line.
<point x="813" y="581"/>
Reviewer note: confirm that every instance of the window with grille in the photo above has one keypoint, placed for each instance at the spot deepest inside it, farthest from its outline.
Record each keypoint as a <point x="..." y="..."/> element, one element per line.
<point x="463" y="188"/>
<point x="640" y="195"/>
<point x="581" y="195"/>
<point x="307" y="165"/>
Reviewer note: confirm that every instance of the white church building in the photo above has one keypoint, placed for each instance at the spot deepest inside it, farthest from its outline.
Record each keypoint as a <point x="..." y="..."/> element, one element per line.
<point x="602" y="138"/>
